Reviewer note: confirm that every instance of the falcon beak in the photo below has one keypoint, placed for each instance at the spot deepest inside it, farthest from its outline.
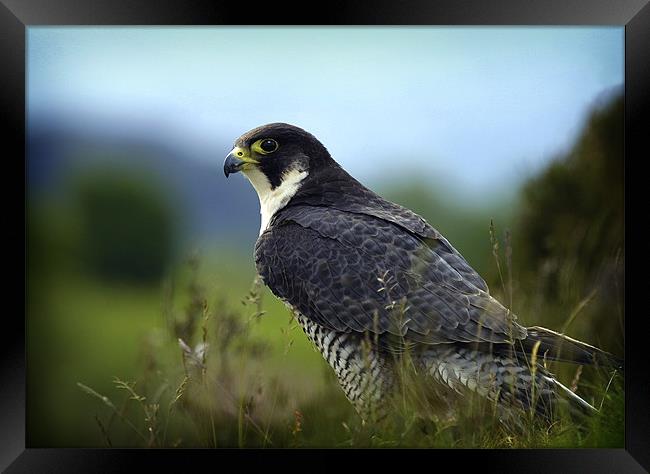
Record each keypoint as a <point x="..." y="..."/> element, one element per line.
<point x="237" y="160"/>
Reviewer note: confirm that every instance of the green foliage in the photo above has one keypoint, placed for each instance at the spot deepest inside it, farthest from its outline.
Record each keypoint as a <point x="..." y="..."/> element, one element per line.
<point x="569" y="235"/>
<point x="126" y="226"/>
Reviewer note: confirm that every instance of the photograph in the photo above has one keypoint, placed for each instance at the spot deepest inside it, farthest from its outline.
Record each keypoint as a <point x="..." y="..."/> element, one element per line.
<point x="325" y="236"/>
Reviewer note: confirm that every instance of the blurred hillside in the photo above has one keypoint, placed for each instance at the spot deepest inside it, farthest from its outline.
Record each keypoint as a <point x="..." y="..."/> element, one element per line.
<point x="194" y="187"/>
<point x="569" y="236"/>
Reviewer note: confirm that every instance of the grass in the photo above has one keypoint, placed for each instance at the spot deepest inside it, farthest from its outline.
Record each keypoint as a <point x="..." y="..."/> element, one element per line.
<point x="215" y="373"/>
<point x="84" y="330"/>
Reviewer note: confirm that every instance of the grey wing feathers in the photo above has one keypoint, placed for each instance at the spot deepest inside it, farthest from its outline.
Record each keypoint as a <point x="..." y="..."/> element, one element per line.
<point x="415" y="224"/>
<point x="327" y="263"/>
<point x="362" y="201"/>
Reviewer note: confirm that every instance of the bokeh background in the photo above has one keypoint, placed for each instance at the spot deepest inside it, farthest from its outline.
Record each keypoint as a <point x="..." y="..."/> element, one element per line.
<point x="128" y="129"/>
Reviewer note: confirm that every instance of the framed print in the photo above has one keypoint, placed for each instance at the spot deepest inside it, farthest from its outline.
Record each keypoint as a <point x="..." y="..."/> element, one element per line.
<point x="372" y="228"/>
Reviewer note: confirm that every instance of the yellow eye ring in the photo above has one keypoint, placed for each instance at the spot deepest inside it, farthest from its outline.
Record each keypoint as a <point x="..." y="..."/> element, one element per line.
<point x="265" y="146"/>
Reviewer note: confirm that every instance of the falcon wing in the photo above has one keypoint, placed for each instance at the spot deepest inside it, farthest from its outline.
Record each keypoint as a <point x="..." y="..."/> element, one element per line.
<point x="351" y="196"/>
<point x="356" y="272"/>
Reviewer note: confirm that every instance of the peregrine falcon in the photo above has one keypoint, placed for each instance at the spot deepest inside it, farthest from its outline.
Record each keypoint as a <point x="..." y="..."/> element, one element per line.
<point x="368" y="280"/>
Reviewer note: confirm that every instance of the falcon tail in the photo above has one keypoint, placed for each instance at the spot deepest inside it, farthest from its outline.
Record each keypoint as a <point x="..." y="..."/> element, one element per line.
<point x="577" y="405"/>
<point x="558" y="347"/>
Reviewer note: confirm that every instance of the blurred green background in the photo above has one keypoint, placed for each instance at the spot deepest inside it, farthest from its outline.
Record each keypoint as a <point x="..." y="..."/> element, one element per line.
<point x="117" y="207"/>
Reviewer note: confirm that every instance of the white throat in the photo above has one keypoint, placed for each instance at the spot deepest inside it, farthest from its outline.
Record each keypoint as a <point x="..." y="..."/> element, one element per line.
<point x="272" y="200"/>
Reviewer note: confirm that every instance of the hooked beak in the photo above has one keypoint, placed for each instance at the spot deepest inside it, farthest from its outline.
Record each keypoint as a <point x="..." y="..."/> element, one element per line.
<point x="237" y="160"/>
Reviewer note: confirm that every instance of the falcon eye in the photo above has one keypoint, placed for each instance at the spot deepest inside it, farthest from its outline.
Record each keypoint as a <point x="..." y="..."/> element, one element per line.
<point x="268" y="145"/>
<point x="265" y="146"/>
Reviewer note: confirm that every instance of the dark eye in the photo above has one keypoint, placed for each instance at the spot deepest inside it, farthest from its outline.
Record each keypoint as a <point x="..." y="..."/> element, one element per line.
<point x="269" y="145"/>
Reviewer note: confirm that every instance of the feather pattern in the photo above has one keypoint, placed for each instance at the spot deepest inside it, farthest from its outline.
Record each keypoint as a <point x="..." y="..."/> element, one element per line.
<point x="336" y="260"/>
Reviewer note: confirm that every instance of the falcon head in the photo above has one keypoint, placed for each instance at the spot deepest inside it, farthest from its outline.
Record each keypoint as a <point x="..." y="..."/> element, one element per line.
<point x="270" y="154"/>
<point x="279" y="159"/>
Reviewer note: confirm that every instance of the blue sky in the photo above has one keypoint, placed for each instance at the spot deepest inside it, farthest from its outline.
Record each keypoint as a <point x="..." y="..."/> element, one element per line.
<point x="479" y="108"/>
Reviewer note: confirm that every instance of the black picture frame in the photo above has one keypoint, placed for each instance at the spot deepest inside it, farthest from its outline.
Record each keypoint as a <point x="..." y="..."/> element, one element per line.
<point x="17" y="15"/>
